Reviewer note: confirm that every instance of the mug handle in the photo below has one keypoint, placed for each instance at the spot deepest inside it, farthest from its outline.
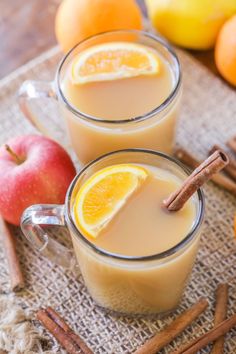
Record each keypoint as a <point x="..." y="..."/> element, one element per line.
<point x="30" y="90"/>
<point x="47" y="214"/>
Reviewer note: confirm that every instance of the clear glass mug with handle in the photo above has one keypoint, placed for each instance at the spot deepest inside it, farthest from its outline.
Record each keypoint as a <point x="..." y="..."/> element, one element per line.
<point x="130" y="285"/>
<point x="92" y="136"/>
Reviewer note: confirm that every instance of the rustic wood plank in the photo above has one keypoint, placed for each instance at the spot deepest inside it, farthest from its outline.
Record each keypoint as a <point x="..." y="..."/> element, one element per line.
<point x="27" y="29"/>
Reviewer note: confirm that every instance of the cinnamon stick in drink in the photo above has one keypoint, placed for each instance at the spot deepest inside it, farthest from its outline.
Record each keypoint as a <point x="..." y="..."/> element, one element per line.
<point x="160" y="340"/>
<point x="213" y="164"/>
<point x="218" y="178"/>
<point x="16" y="276"/>
<point x="230" y="169"/>
<point x="220" y="315"/>
<point x="56" y="325"/>
<point x="207" y="338"/>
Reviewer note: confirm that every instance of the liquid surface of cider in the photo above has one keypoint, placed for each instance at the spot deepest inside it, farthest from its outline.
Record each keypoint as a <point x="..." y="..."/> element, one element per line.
<point x="142" y="226"/>
<point x="121" y="98"/>
<point x="98" y="104"/>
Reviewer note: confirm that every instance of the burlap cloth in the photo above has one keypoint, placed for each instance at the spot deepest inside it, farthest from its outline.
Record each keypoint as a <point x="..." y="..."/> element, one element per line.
<point x="208" y="116"/>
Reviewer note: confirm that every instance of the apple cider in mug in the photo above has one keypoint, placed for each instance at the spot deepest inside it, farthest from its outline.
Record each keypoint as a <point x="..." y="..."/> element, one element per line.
<point x="121" y="94"/>
<point x="119" y="211"/>
<point x="134" y="255"/>
<point x="116" y="98"/>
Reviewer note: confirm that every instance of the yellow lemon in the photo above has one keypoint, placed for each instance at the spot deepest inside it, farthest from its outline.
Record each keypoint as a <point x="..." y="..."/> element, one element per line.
<point x="192" y="24"/>
<point x="113" y="60"/>
<point x="104" y="194"/>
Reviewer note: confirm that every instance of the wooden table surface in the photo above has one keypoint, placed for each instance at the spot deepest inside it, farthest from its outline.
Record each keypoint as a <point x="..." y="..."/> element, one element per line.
<point x="27" y="29"/>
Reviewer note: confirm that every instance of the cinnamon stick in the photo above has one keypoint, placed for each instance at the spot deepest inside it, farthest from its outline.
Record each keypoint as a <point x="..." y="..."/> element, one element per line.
<point x="213" y="164"/>
<point x="230" y="169"/>
<point x="16" y="276"/>
<point x="171" y="331"/>
<point x="207" y="338"/>
<point x="220" y="315"/>
<point x="60" y="321"/>
<point x="232" y="143"/>
<point x="218" y="178"/>
<point x="56" y="325"/>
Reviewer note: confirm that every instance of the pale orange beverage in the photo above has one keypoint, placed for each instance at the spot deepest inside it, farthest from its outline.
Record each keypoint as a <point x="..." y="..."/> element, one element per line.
<point x="132" y="112"/>
<point x="140" y="261"/>
<point x="121" y="99"/>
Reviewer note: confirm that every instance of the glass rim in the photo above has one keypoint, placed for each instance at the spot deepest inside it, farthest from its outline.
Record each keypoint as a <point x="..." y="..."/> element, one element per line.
<point x="139" y="118"/>
<point x="157" y="256"/>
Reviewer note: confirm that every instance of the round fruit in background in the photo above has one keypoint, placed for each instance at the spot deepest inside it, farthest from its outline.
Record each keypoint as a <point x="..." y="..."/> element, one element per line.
<point x="33" y="170"/>
<point x="225" y="51"/>
<point x="79" y="19"/>
<point x="235" y="225"/>
<point x="192" y="24"/>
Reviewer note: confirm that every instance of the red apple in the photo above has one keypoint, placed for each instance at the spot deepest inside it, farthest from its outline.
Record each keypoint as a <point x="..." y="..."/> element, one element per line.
<point x="33" y="170"/>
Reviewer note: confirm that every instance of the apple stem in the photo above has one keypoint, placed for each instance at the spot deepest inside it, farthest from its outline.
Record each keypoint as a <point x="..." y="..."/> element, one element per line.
<point x="17" y="159"/>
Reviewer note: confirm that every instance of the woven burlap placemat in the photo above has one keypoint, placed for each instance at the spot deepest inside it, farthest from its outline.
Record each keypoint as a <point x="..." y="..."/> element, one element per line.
<point x="208" y="116"/>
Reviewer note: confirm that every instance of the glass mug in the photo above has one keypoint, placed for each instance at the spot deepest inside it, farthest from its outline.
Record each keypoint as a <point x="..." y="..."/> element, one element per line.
<point x="124" y="284"/>
<point x="91" y="136"/>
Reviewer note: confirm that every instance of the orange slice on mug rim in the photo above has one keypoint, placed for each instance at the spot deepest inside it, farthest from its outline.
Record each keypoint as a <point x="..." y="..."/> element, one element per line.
<point x="103" y="194"/>
<point x="112" y="61"/>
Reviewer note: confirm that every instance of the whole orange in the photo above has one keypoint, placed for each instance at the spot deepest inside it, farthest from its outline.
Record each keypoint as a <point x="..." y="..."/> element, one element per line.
<point x="79" y="19"/>
<point x="235" y="225"/>
<point x="225" y="50"/>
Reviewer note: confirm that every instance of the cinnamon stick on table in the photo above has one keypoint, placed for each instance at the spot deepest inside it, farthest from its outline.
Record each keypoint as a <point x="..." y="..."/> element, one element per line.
<point x="213" y="164"/>
<point x="220" y="315"/>
<point x="207" y="338"/>
<point x="56" y="325"/>
<point x="218" y="178"/>
<point x="16" y="276"/>
<point x="232" y="143"/>
<point x="230" y="169"/>
<point x="171" y="331"/>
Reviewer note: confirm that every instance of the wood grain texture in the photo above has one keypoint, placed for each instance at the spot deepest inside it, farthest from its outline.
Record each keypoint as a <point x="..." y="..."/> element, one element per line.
<point x="27" y="29"/>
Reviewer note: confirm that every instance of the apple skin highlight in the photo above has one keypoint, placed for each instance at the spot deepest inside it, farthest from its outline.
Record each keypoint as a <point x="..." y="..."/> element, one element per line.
<point x="43" y="176"/>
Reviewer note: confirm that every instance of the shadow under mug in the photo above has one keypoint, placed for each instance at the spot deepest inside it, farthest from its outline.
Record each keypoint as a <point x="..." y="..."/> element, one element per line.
<point x="130" y="285"/>
<point x="92" y="136"/>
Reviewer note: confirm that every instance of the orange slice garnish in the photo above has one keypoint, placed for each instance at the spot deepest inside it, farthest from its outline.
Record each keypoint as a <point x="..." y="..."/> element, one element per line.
<point x="104" y="194"/>
<point x="114" y="60"/>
